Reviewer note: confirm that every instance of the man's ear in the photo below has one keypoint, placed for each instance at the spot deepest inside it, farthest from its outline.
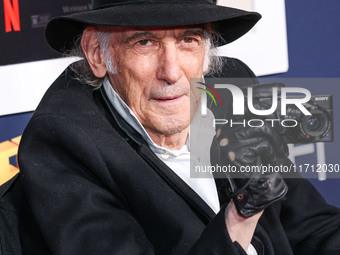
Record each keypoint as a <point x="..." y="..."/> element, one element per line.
<point x="91" y="48"/>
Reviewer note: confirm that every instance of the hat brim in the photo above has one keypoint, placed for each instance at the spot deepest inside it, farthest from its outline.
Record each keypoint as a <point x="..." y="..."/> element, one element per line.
<point x="231" y="23"/>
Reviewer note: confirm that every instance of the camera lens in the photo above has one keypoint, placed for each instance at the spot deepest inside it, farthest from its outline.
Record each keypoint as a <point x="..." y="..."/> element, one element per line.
<point x="315" y="124"/>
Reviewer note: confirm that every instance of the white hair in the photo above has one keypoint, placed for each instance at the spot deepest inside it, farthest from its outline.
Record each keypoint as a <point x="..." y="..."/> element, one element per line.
<point x="104" y="43"/>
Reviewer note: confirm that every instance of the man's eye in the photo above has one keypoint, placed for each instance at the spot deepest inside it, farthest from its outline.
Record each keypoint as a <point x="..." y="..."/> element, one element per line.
<point x="188" y="40"/>
<point x="145" y="42"/>
<point x="145" y="46"/>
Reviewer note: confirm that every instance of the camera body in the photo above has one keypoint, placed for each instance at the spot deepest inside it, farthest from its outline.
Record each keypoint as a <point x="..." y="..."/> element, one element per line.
<point x="317" y="127"/>
<point x="301" y="128"/>
<point x="294" y="126"/>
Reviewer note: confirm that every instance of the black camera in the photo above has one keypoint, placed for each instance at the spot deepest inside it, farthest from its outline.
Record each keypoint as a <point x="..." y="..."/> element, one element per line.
<point x="296" y="126"/>
<point x="317" y="127"/>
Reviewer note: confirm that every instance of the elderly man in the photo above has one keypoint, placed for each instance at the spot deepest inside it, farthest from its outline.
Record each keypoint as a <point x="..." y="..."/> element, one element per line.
<point x="105" y="158"/>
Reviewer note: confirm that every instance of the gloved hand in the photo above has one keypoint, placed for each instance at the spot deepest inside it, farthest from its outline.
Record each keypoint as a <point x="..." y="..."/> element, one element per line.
<point x="245" y="148"/>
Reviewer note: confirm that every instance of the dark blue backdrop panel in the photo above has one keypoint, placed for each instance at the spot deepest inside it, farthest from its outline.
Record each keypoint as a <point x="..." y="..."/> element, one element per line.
<point x="329" y="189"/>
<point x="313" y="38"/>
<point x="13" y="125"/>
<point x="314" y="51"/>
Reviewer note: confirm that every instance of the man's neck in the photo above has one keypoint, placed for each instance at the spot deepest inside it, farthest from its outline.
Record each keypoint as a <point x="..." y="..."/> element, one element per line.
<point x="172" y="141"/>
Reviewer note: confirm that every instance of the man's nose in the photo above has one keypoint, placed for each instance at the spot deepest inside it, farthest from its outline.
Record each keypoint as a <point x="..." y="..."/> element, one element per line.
<point x="169" y="68"/>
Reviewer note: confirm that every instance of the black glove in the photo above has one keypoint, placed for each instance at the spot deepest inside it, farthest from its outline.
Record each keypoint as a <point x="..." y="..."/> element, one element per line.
<point x="244" y="148"/>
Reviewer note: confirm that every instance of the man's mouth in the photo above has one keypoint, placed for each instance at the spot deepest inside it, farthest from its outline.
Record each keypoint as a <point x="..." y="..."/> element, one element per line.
<point x="168" y="99"/>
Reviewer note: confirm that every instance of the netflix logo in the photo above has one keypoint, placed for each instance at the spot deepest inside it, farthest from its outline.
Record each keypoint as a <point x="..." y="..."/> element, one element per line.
<point x="11" y="15"/>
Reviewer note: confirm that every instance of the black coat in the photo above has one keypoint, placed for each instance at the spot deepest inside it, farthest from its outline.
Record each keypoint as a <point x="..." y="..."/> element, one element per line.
<point x="94" y="187"/>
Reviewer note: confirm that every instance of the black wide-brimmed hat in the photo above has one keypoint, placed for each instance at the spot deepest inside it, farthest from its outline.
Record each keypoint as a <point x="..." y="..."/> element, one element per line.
<point x="231" y="23"/>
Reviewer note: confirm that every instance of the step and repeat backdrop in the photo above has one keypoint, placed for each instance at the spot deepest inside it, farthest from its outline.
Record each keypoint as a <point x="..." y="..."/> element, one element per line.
<point x="22" y="32"/>
<point x="293" y="40"/>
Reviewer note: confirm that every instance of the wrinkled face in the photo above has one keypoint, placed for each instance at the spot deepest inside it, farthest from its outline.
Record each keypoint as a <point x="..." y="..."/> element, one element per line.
<point x="153" y="72"/>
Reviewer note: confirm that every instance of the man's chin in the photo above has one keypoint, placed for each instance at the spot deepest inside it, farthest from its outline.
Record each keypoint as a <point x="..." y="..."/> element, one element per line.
<point x="171" y="129"/>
